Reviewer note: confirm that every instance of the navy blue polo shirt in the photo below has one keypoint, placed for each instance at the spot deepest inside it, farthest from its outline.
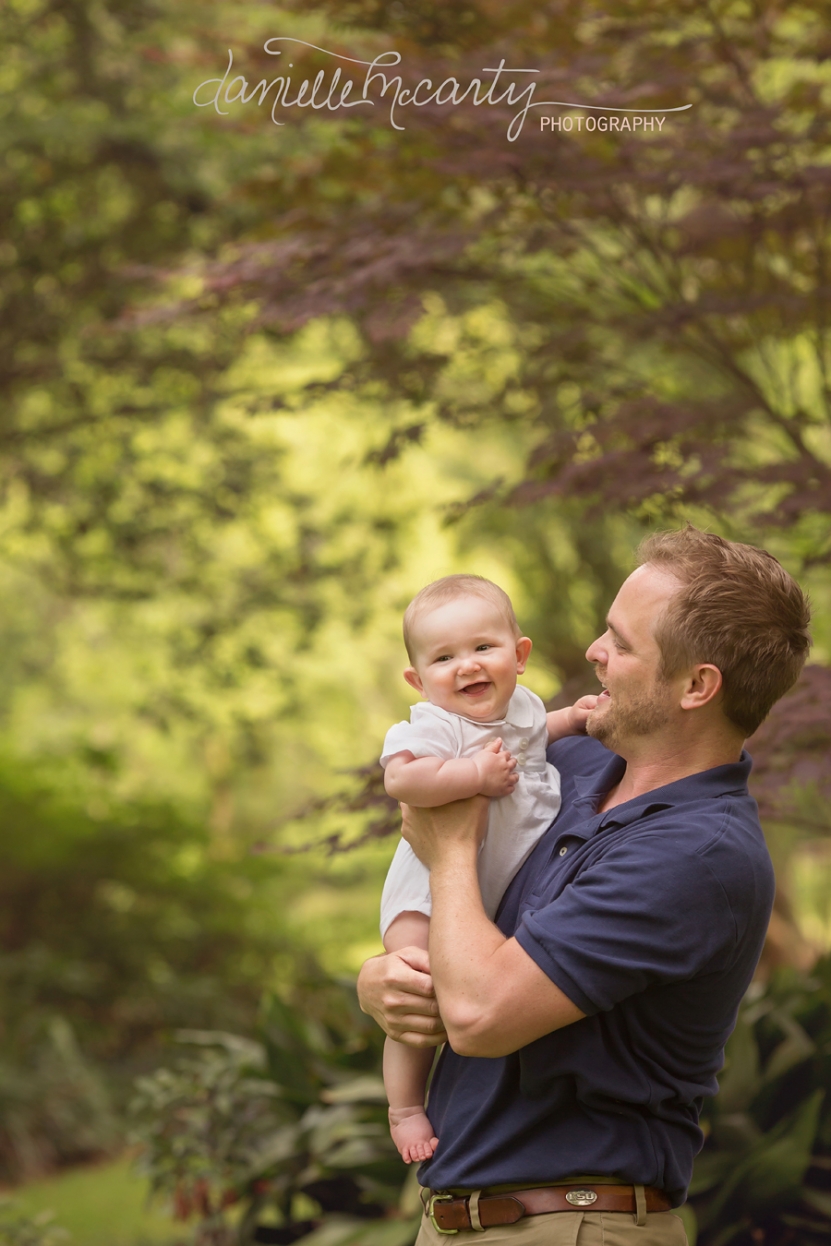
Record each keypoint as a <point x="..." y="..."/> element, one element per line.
<point x="651" y="919"/>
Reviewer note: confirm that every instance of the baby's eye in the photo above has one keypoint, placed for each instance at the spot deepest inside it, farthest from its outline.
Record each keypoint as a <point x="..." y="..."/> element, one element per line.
<point x="481" y="648"/>
<point x="445" y="657"/>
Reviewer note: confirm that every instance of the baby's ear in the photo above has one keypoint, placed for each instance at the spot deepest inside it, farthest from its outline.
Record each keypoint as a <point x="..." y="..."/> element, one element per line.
<point x="523" y="651"/>
<point x="414" y="679"/>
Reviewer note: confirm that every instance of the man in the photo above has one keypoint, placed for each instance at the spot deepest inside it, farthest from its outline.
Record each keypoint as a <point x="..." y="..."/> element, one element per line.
<point x="586" y="1025"/>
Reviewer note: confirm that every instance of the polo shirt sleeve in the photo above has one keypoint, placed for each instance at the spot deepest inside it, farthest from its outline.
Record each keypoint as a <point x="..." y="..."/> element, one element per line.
<point x="648" y="914"/>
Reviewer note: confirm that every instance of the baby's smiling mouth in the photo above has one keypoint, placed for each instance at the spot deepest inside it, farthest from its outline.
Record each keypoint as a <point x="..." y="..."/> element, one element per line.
<point x="475" y="690"/>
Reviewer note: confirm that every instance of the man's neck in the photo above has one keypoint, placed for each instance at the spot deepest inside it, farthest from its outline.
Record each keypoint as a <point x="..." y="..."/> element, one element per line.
<point x="646" y="773"/>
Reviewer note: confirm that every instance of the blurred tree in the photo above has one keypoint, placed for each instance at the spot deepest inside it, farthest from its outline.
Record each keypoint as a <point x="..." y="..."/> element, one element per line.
<point x="119" y="922"/>
<point x="664" y="292"/>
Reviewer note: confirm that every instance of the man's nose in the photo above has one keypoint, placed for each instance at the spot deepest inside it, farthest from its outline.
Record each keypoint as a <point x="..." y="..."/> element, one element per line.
<point x="597" y="652"/>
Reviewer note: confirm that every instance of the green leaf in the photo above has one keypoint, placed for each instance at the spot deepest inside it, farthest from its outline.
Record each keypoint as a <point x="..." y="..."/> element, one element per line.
<point x="773" y="1169"/>
<point x="711" y="1167"/>
<point x="366" y="1089"/>
<point x="818" y="1199"/>
<point x="740" y="1080"/>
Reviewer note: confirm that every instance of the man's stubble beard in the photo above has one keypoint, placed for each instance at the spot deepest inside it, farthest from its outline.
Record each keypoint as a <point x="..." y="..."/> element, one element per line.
<point x="640" y="715"/>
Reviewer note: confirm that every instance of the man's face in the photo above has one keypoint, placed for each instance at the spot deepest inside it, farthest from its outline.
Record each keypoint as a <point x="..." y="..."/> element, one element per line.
<point x="467" y="659"/>
<point x="635" y="703"/>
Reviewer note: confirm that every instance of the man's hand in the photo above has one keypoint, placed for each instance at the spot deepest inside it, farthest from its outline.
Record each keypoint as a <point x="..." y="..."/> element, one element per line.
<point x="447" y="831"/>
<point x="497" y="770"/>
<point x="396" y="990"/>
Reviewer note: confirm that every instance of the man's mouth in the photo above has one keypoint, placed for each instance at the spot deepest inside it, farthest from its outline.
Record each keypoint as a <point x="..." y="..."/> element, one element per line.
<point x="475" y="690"/>
<point x="605" y="695"/>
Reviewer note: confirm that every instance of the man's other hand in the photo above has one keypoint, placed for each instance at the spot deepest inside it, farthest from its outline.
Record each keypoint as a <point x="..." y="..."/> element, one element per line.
<point x="396" y="990"/>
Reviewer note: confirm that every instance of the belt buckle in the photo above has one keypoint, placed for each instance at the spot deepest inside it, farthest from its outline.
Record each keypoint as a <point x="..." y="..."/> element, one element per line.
<point x="439" y="1198"/>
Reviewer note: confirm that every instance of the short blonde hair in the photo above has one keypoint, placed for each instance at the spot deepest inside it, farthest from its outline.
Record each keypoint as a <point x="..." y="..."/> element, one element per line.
<point x="737" y="608"/>
<point x="450" y="588"/>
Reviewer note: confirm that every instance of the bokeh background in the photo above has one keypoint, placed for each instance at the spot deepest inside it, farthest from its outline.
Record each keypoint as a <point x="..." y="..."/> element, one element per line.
<point x="259" y="384"/>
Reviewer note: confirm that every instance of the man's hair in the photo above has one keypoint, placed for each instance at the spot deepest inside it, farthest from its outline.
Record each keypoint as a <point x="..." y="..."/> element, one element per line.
<point x="738" y="609"/>
<point x="449" y="588"/>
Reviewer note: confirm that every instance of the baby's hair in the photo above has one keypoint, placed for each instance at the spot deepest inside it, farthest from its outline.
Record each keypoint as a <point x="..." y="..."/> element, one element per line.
<point x="449" y="588"/>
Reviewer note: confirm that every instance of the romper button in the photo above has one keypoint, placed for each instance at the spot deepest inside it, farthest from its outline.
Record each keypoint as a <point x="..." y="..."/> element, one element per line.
<point x="521" y="759"/>
<point x="563" y="851"/>
<point x="523" y="743"/>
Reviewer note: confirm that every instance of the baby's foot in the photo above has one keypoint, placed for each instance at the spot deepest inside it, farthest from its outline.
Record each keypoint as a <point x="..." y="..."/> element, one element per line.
<point x="412" y="1134"/>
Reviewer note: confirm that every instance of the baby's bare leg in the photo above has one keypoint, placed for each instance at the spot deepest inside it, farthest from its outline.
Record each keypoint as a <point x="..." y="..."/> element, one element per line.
<point x="406" y="1069"/>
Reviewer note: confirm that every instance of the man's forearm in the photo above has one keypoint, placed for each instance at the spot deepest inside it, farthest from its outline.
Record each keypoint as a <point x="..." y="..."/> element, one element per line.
<point x="493" y="998"/>
<point x="463" y="942"/>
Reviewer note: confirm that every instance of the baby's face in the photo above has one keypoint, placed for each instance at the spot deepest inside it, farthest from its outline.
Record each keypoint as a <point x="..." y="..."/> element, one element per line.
<point x="467" y="659"/>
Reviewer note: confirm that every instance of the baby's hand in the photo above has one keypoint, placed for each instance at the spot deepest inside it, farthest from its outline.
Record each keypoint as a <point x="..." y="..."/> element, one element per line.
<point x="496" y="769"/>
<point x="570" y="721"/>
<point x="578" y="714"/>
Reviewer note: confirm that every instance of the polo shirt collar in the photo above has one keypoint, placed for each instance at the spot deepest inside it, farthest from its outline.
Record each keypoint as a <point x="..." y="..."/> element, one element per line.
<point x="716" y="782"/>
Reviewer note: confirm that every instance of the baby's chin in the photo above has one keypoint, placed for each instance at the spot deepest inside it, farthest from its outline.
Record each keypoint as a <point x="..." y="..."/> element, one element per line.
<point x="481" y="706"/>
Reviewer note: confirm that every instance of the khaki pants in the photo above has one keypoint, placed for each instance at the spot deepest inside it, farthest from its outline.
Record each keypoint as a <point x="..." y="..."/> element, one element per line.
<point x="569" y="1228"/>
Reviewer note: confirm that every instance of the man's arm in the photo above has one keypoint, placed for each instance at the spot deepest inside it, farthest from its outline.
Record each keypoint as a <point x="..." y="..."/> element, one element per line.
<point x="493" y="998"/>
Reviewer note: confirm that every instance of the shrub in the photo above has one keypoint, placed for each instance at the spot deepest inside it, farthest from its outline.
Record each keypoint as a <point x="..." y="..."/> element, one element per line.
<point x="269" y="1141"/>
<point x="764" y="1175"/>
<point x="18" y="1229"/>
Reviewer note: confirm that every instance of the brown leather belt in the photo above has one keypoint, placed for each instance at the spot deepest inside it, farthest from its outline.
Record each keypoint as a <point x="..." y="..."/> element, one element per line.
<point x="450" y="1213"/>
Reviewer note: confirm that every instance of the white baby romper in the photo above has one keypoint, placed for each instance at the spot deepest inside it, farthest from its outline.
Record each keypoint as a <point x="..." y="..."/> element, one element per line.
<point x="515" y="822"/>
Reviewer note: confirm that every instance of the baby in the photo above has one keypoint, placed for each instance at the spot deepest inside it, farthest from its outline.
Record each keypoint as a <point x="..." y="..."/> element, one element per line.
<point x="478" y="733"/>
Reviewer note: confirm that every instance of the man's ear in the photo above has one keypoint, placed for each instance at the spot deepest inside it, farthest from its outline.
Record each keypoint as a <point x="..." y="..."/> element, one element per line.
<point x="703" y="684"/>
<point x="414" y="679"/>
<point x="523" y="652"/>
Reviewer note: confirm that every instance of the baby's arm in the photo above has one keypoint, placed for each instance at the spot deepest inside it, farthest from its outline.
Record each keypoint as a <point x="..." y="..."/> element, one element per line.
<point x="429" y="781"/>
<point x="571" y="720"/>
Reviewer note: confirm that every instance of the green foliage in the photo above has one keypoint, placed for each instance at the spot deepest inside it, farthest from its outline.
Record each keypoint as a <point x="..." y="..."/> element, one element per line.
<point x="118" y="925"/>
<point x="18" y="1229"/>
<point x="130" y="917"/>
<point x="764" y="1175"/>
<point x="54" y="1104"/>
<point x="290" y="1131"/>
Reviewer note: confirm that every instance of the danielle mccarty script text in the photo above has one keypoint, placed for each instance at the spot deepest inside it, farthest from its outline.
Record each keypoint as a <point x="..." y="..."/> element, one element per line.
<point x="501" y="87"/>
